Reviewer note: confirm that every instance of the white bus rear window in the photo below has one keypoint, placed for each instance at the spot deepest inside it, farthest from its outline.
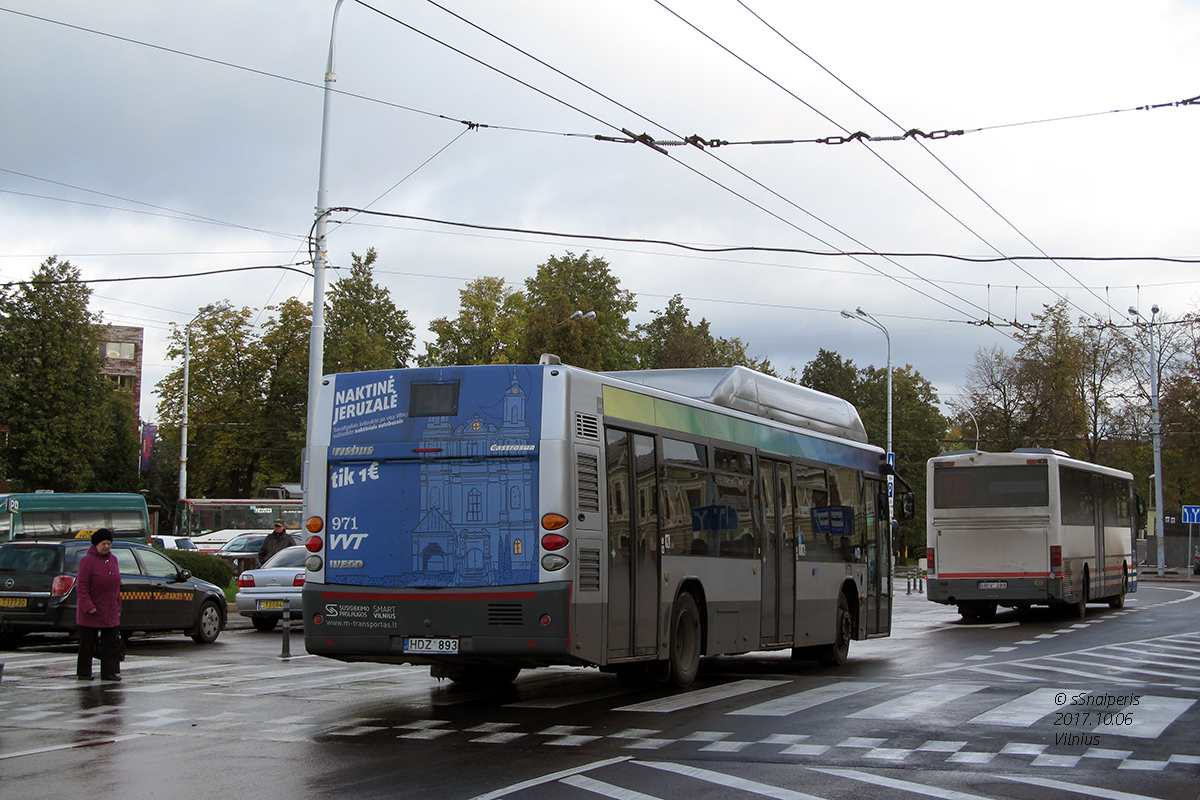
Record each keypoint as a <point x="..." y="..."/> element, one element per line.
<point x="1017" y="486"/>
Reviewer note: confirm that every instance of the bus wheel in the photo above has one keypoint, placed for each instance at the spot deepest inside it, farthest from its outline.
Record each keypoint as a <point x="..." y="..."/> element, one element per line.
<point x="685" y="641"/>
<point x="835" y="655"/>
<point x="1118" y="599"/>
<point x="1079" y="609"/>
<point x="978" y="612"/>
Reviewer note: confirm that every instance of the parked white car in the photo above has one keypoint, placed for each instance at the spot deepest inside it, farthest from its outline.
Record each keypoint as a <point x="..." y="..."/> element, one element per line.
<point x="212" y="542"/>
<point x="263" y="593"/>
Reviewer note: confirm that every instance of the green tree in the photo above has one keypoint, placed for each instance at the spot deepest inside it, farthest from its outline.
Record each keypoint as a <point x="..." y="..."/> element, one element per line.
<point x="583" y="283"/>
<point x="364" y="329"/>
<point x="282" y="425"/>
<point x="488" y="328"/>
<point x="1050" y="365"/>
<point x="69" y="429"/>
<point x="831" y="374"/>
<point x="672" y="341"/>
<point x="226" y="390"/>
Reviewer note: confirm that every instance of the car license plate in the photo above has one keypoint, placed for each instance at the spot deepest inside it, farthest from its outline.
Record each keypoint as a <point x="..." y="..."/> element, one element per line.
<point x="12" y="602"/>
<point x="993" y="584"/>
<point x="423" y="644"/>
<point x="268" y="605"/>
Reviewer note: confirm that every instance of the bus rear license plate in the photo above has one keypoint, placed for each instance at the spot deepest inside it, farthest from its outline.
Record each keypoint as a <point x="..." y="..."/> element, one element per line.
<point x="993" y="584"/>
<point x="12" y="602"/>
<point x="420" y="644"/>
<point x="270" y="605"/>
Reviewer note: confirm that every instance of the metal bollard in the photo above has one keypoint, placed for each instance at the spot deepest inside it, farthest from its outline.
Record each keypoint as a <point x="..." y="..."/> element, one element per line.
<point x="287" y="630"/>
<point x="908" y="581"/>
<point x="921" y="581"/>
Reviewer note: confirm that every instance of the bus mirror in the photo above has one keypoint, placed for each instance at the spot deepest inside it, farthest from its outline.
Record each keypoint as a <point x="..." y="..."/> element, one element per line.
<point x="907" y="505"/>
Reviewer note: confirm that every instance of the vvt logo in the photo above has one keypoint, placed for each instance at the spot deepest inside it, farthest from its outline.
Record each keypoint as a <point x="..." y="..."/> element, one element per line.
<point x="346" y="541"/>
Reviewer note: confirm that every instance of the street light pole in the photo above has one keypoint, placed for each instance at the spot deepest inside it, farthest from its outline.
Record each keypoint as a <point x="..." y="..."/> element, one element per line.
<point x="1156" y="432"/>
<point x="316" y="341"/>
<point x="891" y="456"/>
<point x="187" y="357"/>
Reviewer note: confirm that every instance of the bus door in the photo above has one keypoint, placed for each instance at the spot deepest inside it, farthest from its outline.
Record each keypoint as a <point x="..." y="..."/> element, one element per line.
<point x="778" y="553"/>
<point x="633" y="565"/>
<point x="1099" y="576"/>
<point x="879" y="560"/>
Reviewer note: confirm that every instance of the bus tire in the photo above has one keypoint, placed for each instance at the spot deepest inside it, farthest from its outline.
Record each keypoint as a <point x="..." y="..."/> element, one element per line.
<point x="1078" y="609"/>
<point x="208" y="624"/>
<point x="685" y="641"/>
<point x="977" y="612"/>
<point x="1118" y="599"/>
<point x="836" y="654"/>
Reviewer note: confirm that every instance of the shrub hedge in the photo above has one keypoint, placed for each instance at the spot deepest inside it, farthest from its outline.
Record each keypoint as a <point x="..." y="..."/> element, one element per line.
<point x="205" y="566"/>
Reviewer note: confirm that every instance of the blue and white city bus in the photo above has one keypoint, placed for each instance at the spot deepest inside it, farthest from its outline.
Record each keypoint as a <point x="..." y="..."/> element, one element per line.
<point x="484" y="519"/>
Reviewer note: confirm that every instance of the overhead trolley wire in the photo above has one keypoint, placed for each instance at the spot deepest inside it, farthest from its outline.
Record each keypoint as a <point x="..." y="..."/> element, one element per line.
<point x="646" y="139"/>
<point x="946" y="167"/>
<point x="631" y="139"/>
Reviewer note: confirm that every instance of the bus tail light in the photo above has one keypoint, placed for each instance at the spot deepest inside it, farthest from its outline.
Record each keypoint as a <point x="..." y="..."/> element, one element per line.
<point x="554" y="541"/>
<point x="553" y="522"/>
<point x="929" y="557"/>
<point x="313" y="544"/>
<point x="61" y="585"/>
<point x="314" y="524"/>
<point x="245" y="581"/>
<point x="1055" y="558"/>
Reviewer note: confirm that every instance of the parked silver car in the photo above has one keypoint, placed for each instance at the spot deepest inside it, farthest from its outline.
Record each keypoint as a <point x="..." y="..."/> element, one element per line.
<point x="263" y="593"/>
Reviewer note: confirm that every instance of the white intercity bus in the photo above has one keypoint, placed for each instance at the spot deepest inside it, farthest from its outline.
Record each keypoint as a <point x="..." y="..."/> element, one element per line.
<point x="1030" y="527"/>
<point x="485" y="519"/>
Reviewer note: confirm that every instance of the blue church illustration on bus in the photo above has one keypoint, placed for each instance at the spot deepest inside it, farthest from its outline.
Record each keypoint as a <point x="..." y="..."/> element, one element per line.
<point x="476" y="523"/>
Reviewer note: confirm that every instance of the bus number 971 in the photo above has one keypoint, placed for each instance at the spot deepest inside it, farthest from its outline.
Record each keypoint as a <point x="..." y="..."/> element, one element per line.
<point x="343" y="523"/>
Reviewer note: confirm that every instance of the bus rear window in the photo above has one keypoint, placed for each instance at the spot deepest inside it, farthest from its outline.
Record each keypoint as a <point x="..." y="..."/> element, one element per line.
<point x="1017" y="486"/>
<point x="433" y="400"/>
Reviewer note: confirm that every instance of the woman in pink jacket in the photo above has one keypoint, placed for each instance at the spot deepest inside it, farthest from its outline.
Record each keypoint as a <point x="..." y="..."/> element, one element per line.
<point x="98" y="608"/>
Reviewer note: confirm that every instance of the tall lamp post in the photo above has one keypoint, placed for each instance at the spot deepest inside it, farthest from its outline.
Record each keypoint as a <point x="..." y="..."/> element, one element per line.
<point x="316" y="341"/>
<point x="891" y="457"/>
<point x="187" y="357"/>
<point x="1156" y="432"/>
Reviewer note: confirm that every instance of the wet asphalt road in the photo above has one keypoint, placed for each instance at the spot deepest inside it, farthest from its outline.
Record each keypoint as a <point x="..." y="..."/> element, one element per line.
<point x="940" y="707"/>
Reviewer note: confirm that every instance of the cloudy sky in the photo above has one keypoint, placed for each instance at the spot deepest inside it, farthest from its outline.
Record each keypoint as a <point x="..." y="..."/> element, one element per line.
<point x="145" y="139"/>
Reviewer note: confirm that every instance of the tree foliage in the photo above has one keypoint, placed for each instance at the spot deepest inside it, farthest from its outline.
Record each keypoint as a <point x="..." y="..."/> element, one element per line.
<point x="488" y="329"/>
<point x="69" y="429"/>
<point x="364" y="329"/>
<point x="247" y="400"/>
<point x="560" y="287"/>
<point x="672" y="341"/>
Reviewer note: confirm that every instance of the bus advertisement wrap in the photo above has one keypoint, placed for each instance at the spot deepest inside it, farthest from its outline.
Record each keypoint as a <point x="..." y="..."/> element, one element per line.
<point x="458" y="460"/>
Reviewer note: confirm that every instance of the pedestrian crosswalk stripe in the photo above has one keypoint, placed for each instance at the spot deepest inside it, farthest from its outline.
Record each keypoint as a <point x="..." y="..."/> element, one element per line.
<point x="918" y="702"/>
<point x="1147" y="720"/>
<point x="784" y="706"/>
<point x="1023" y="711"/>
<point x="701" y="697"/>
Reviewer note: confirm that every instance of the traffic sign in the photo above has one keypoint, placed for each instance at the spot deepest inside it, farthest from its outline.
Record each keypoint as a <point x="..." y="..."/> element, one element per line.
<point x="1191" y="514"/>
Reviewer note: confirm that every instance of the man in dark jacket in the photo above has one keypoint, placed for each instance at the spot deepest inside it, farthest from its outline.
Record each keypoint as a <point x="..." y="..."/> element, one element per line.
<point x="276" y="540"/>
<point x="98" y="608"/>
